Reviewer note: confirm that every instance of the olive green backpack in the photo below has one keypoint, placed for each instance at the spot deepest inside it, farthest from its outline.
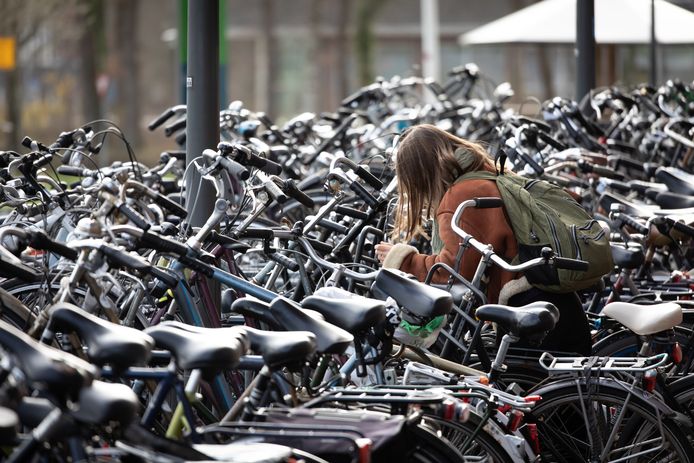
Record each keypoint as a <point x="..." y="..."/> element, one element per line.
<point x="542" y="214"/>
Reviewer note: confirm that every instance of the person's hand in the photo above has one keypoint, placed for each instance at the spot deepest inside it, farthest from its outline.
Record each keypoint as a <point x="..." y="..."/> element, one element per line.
<point x="382" y="250"/>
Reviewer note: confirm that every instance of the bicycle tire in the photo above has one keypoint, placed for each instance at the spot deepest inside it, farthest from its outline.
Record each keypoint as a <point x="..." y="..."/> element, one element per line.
<point x="564" y="440"/>
<point x="483" y="448"/>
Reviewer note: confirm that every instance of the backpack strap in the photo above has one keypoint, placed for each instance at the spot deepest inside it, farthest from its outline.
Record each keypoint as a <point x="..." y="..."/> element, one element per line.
<point x="477" y="175"/>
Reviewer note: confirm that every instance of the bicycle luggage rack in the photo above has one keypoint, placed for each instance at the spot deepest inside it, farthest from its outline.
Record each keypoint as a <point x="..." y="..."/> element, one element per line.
<point x="581" y="364"/>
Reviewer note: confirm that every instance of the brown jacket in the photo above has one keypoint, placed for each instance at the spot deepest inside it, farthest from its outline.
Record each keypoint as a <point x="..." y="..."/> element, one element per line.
<point x="489" y="226"/>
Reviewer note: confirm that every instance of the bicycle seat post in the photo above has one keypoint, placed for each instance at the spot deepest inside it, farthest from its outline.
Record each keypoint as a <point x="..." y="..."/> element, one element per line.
<point x="498" y="366"/>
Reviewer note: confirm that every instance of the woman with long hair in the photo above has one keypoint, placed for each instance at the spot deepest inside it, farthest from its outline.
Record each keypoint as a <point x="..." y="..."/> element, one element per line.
<point x="428" y="164"/>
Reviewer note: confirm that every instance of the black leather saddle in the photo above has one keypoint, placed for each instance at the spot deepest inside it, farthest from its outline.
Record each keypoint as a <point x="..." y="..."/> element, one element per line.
<point x="330" y="339"/>
<point x="676" y="180"/>
<point x="674" y="201"/>
<point x="526" y="321"/>
<point x="414" y="296"/>
<point x="607" y="199"/>
<point x="259" y="310"/>
<point x="281" y="348"/>
<point x="208" y="349"/>
<point x="61" y="374"/>
<point x="107" y="343"/>
<point x="252" y="308"/>
<point x="354" y="315"/>
<point x="628" y="258"/>
<point x="457" y="291"/>
<point x="102" y="403"/>
<point x="640" y="186"/>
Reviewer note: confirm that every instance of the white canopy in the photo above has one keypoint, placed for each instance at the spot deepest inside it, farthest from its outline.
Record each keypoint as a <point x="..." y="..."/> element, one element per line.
<point x="616" y="21"/>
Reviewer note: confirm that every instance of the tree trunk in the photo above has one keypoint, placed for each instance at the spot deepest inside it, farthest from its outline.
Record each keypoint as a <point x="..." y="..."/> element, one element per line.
<point x="128" y="40"/>
<point x="366" y="13"/>
<point x="269" y="55"/>
<point x="342" y="49"/>
<point x="88" y="63"/>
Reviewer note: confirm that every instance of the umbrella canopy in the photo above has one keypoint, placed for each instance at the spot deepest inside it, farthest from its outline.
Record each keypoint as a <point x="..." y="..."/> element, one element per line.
<point x="616" y="21"/>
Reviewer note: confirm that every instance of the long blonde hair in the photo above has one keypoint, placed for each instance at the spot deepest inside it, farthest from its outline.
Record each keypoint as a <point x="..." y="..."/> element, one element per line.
<point x="426" y="165"/>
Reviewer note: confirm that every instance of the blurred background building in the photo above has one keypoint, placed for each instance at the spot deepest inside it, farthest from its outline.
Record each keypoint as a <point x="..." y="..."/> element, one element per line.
<point x="80" y="60"/>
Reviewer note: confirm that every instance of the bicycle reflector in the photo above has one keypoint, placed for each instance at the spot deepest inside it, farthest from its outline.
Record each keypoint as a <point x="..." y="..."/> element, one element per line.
<point x="650" y="379"/>
<point x="515" y="420"/>
<point x="676" y="353"/>
<point x="533" y="437"/>
<point x="364" y="448"/>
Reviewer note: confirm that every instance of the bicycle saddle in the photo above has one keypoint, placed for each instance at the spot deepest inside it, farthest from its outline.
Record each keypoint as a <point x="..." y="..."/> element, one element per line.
<point x="107" y="343"/>
<point x="531" y="319"/>
<point x="60" y="373"/>
<point x="645" y="319"/>
<point x="253" y="308"/>
<point x="419" y="299"/>
<point x="641" y="186"/>
<point x="457" y="291"/>
<point x="353" y="315"/>
<point x="102" y="403"/>
<point x="676" y="180"/>
<point x="637" y="210"/>
<point x="329" y="338"/>
<point x="628" y="258"/>
<point x="207" y="349"/>
<point x="281" y="349"/>
<point x="674" y="201"/>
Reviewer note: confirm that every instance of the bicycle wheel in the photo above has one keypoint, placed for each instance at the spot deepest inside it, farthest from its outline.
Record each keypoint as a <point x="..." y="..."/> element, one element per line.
<point x="483" y="448"/>
<point x="572" y="428"/>
<point x="14" y="312"/>
<point x="428" y="446"/>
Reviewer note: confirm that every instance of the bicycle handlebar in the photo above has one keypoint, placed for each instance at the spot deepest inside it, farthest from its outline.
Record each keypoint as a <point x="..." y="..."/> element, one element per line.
<point x="547" y="258"/>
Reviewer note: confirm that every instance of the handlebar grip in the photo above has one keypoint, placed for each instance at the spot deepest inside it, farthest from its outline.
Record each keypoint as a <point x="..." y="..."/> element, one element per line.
<point x="42" y="161"/>
<point x="228" y="242"/>
<point x="293" y="191"/>
<point x="134" y="216"/>
<point x="551" y="141"/>
<point x="118" y="258"/>
<point x="275" y="192"/>
<point x="531" y="162"/>
<point x="39" y="240"/>
<point x="266" y="165"/>
<point x="257" y="233"/>
<point x="683" y="228"/>
<point x="489" y="202"/>
<point x="368" y="177"/>
<point x="334" y="226"/>
<point x="171" y="205"/>
<point x="281" y="259"/>
<point x="363" y="194"/>
<point x="74" y="171"/>
<point x="160" y="243"/>
<point x="354" y="213"/>
<point x="633" y="223"/>
<point x="163" y="117"/>
<point x="325" y="248"/>
<point x="571" y="264"/>
<point x="175" y="126"/>
<point x="234" y="168"/>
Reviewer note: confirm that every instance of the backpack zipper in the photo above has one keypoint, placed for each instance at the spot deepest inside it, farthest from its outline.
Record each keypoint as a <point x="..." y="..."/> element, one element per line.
<point x="574" y="235"/>
<point x="530" y="184"/>
<point x="553" y="229"/>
